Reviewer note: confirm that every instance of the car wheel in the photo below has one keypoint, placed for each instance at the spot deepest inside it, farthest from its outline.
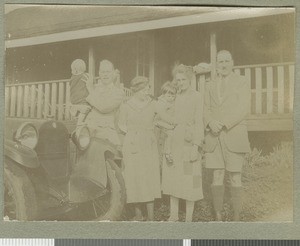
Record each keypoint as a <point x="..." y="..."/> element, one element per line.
<point x="110" y="206"/>
<point x="19" y="194"/>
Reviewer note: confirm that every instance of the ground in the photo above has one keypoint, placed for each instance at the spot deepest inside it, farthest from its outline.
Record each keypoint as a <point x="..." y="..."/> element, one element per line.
<point x="268" y="190"/>
<point x="267" y="197"/>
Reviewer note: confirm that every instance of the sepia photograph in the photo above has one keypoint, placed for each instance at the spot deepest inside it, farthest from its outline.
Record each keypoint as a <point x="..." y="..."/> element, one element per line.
<point x="148" y="113"/>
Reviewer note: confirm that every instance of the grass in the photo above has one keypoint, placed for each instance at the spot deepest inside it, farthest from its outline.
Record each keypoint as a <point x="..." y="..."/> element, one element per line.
<point x="268" y="188"/>
<point x="268" y="183"/>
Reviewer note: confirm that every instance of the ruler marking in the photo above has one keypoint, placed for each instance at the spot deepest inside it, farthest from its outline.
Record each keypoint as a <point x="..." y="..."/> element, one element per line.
<point x="26" y="242"/>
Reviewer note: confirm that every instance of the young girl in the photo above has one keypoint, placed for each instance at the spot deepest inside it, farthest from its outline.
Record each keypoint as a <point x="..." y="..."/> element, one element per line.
<point x="166" y="103"/>
<point x="140" y="151"/>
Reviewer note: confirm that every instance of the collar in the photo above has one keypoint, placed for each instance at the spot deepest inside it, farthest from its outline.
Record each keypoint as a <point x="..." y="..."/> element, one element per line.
<point x="226" y="78"/>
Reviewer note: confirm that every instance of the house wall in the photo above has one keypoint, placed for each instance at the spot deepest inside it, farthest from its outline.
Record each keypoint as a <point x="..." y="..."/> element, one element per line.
<point x="258" y="41"/>
<point x="263" y="40"/>
<point x="248" y="40"/>
<point x="266" y="141"/>
<point x="121" y="50"/>
<point x="181" y="45"/>
<point x="43" y="62"/>
<point x="251" y="41"/>
<point x="52" y="61"/>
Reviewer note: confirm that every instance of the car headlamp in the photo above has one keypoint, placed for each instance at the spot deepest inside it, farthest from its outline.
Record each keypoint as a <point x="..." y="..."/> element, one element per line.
<point x="27" y="135"/>
<point x="81" y="137"/>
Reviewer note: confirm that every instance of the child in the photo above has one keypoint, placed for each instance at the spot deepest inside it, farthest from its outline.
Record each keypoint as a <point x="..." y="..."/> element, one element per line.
<point x="166" y="103"/>
<point x="79" y="90"/>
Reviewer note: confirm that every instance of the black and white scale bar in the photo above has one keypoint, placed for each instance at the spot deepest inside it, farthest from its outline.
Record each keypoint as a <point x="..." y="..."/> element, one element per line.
<point x="119" y="242"/>
<point x="186" y="242"/>
<point x="144" y="242"/>
<point x="245" y="242"/>
<point x="26" y="242"/>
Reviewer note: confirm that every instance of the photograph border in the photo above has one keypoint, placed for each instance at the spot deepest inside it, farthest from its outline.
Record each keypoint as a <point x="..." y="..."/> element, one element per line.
<point x="161" y="230"/>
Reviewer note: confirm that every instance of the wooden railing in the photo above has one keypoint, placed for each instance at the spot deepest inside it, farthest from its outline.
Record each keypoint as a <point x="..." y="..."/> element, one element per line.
<point x="272" y="87"/>
<point x="127" y="91"/>
<point x="40" y="100"/>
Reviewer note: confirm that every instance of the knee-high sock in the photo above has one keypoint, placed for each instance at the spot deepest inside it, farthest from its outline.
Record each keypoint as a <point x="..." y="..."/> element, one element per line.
<point x="189" y="211"/>
<point x="174" y="207"/>
<point x="218" y="197"/>
<point x="150" y="211"/>
<point x="138" y="211"/>
<point x="236" y="198"/>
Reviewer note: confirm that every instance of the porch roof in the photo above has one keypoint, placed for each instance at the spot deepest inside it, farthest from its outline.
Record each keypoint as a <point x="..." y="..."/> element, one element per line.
<point x="54" y="23"/>
<point x="46" y="19"/>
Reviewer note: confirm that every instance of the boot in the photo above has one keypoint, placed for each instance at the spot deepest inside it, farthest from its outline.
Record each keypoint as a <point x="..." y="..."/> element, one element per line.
<point x="218" y="195"/>
<point x="236" y="198"/>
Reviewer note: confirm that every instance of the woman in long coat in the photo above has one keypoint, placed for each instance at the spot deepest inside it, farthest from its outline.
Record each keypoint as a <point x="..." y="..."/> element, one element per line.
<point x="183" y="179"/>
<point x="140" y="151"/>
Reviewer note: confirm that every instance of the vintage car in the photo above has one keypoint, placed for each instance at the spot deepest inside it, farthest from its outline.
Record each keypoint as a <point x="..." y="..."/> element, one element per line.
<point x="48" y="174"/>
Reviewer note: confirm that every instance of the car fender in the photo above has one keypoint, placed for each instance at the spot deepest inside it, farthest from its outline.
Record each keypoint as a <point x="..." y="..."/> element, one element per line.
<point x="21" y="154"/>
<point x="110" y="150"/>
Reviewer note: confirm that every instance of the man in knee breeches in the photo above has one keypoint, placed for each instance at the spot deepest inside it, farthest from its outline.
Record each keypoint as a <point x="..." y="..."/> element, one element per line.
<point x="227" y="102"/>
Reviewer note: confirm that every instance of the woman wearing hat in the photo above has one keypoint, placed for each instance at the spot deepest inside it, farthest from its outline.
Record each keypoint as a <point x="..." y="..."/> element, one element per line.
<point x="140" y="151"/>
<point x="183" y="180"/>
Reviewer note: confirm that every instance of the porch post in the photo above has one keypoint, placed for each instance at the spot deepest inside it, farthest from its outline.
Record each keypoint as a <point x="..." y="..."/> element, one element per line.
<point x="152" y="63"/>
<point x="213" y="53"/>
<point x="91" y="64"/>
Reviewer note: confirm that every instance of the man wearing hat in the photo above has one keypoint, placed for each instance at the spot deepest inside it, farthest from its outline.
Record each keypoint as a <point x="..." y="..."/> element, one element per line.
<point x="227" y="102"/>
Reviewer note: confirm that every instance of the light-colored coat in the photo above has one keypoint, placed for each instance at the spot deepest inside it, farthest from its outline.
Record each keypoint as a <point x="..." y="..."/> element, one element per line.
<point x="231" y="111"/>
<point x="184" y="178"/>
<point x="105" y="100"/>
<point x="140" y="152"/>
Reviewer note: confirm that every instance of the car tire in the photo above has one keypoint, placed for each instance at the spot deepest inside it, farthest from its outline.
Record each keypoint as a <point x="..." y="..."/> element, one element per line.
<point x="20" y="199"/>
<point x="118" y="193"/>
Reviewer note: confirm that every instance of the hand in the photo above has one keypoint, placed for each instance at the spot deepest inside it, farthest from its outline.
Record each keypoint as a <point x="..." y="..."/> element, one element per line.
<point x="202" y="68"/>
<point x="89" y="81"/>
<point x="84" y="109"/>
<point x="201" y="146"/>
<point x="165" y="125"/>
<point x="215" y="126"/>
<point x="116" y="77"/>
<point x="194" y="153"/>
<point x="117" y="72"/>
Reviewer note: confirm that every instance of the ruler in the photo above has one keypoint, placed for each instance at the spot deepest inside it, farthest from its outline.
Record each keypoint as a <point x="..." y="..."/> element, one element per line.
<point x="144" y="242"/>
<point x="94" y="242"/>
<point x="26" y="242"/>
<point x="245" y="243"/>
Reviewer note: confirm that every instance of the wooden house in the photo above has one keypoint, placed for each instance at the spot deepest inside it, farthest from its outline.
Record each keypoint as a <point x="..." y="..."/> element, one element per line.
<point x="42" y="41"/>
